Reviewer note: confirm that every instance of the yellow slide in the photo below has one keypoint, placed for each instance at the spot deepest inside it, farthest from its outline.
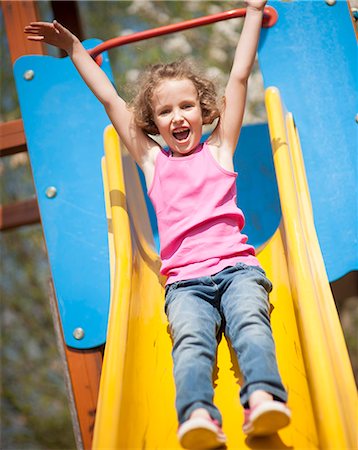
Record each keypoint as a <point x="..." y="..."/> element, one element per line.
<point x="136" y="401"/>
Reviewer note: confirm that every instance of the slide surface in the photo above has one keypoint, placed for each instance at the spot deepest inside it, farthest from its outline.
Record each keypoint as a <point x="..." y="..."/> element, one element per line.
<point x="137" y="394"/>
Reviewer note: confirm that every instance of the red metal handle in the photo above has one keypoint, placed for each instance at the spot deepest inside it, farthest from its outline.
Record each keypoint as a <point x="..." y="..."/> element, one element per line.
<point x="270" y="18"/>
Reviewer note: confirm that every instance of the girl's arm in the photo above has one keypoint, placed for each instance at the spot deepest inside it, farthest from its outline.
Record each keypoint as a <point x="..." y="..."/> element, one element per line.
<point x="236" y="89"/>
<point x="137" y="143"/>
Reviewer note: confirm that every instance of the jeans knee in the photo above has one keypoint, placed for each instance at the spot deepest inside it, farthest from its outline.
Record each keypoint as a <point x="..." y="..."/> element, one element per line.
<point x="192" y="338"/>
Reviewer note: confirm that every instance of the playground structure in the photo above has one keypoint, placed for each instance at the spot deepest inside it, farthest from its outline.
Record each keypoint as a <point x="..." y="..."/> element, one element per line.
<point x="294" y="225"/>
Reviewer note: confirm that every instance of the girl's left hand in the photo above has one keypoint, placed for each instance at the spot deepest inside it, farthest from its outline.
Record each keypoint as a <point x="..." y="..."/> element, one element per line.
<point x="256" y="4"/>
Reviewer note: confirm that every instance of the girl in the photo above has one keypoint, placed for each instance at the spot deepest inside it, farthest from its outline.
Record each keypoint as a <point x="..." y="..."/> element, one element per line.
<point x="213" y="276"/>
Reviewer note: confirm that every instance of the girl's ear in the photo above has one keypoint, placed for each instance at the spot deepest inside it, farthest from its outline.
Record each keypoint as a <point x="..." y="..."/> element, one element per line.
<point x="152" y="129"/>
<point x="210" y="116"/>
<point x="155" y="131"/>
<point x="152" y="126"/>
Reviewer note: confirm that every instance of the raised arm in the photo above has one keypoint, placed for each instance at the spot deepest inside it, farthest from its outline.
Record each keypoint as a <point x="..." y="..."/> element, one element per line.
<point x="236" y="89"/>
<point x="55" y="34"/>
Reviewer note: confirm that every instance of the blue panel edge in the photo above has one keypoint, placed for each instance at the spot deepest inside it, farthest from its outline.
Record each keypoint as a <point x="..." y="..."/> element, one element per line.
<point x="65" y="146"/>
<point x="300" y="56"/>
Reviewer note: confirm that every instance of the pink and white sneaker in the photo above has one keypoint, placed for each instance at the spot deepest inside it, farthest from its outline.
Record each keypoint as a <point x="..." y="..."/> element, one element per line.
<point x="266" y="418"/>
<point x="200" y="433"/>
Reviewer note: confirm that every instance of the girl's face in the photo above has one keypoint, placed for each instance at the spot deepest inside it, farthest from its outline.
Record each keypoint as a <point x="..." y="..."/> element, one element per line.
<point x="177" y="115"/>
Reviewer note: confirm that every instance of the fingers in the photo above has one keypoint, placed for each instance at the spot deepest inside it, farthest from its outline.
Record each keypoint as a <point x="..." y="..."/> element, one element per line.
<point x="52" y="24"/>
<point x="31" y="30"/>
<point x="57" y="25"/>
<point x="35" y="28"/>
<point x="40" y="26"/>
<point x="35" y="38"/>
<point x="59" y="28"/>
<point x="44" y="29"/>
<point x="34" y="35"/>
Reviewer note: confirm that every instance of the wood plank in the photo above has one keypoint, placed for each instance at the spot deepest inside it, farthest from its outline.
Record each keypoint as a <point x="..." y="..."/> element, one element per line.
<point x="12" y="138"/>
<point x="85" y="372"/>
<point x="17" y="214"/>
<point x="16" y="15"/>
<point x="82" y="370"/>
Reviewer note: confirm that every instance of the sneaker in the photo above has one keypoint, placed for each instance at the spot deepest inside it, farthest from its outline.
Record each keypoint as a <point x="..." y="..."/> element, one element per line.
<point x="266" y="418"/>
<point x="200" y="433"/>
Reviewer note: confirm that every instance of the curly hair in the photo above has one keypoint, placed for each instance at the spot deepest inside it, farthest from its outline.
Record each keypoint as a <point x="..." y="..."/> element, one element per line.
<point x="142" y="103"/>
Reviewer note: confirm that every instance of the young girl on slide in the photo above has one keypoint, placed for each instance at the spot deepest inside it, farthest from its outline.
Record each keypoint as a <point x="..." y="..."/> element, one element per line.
<point x="213" y="276"/>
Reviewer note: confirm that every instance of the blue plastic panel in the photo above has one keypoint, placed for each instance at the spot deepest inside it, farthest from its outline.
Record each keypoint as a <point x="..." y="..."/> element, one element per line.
<point x="256" y="185"/>
<point x="310" y="55"/>
<point x="64" y="126"/>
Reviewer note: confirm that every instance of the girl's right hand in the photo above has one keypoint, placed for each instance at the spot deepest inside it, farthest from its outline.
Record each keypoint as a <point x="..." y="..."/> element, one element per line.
<point x="51" y="33"/>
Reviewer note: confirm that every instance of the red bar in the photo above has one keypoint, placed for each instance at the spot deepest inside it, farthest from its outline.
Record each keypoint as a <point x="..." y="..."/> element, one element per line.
<point x="270" y="18"/>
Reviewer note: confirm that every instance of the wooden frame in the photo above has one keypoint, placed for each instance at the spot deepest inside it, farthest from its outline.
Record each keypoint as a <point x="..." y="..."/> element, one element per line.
<point x="82" y="367"/>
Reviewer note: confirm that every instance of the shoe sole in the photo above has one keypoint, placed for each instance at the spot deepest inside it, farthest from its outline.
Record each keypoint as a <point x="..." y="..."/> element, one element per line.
<point x="267" y="419"/>
<point x="200" y="434"/>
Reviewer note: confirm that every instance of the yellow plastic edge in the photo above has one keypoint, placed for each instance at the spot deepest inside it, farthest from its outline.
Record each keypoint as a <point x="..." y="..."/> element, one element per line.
<point x="108" y="407"/>
<point x="331" y="428"/>
<point x="336" y="345"/>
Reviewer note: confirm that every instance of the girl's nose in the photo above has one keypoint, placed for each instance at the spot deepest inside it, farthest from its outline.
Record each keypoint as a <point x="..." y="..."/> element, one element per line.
<point x="177" y="116"/>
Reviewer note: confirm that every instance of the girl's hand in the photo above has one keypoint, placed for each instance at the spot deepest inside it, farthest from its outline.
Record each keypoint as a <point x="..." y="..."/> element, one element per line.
<point x="256" y="4"/>
<point x="51" y="33"/>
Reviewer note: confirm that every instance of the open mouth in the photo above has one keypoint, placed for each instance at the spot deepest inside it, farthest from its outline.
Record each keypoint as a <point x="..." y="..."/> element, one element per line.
<point x="182" y="134"/>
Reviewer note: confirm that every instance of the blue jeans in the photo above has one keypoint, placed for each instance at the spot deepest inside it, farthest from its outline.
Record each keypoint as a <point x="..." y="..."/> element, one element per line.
<point x="234" y="300"/>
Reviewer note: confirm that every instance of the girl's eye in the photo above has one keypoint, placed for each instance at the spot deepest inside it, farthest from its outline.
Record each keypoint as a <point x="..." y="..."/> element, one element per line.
<point x="188" y="106"/>
<point x="164" y="112"/>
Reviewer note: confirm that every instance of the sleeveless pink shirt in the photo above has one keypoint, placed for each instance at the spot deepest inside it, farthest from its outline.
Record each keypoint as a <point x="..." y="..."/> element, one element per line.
<point x="199" y="222"/>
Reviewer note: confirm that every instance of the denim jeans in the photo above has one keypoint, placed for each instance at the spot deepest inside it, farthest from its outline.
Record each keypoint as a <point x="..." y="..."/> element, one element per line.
<point x="235" y="300"/>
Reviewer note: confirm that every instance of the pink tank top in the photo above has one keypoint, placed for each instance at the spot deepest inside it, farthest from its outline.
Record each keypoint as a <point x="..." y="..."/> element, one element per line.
<point x="199" y="222"/>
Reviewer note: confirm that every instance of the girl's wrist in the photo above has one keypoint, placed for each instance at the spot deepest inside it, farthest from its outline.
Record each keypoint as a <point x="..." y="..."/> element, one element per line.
<point x="255" y="9"/>
<point x="75" y="43"/>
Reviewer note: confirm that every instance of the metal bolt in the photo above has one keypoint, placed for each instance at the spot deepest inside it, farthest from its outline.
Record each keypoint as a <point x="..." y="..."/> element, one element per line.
<point x="51" y="192"/>
<point x="29" y="75"/>
<point x="331" y="2"/>
<point x="78" y="333"/>
<point x="356" y="118"/>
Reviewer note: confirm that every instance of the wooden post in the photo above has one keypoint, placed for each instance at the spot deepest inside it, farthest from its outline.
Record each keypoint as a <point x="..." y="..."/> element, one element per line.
<point x="16" y="16"/>
<point x="82" y="373"/>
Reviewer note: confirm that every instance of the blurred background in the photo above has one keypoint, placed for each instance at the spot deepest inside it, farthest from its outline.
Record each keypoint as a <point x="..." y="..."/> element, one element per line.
<point x="34" y="407"/>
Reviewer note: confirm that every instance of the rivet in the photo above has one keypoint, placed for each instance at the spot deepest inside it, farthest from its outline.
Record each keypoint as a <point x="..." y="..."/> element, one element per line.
<point x="78" y="333"/>
<point x="356" y="118"/>
<point x="29" y="75"/>
<point x="331" y="2"/>
<point x="51" y="192"/>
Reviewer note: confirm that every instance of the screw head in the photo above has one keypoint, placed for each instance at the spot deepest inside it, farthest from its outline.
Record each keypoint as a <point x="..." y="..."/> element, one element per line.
<point x="29" y="75"/>
<point x="51" y="192"/>
<point x="78" y="333"/>
<point x="356" y="118"/>
<point x="331" y="2"/>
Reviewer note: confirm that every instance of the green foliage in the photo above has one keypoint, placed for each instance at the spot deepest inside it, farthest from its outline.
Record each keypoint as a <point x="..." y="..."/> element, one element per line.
<point x="34" y="411"/>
